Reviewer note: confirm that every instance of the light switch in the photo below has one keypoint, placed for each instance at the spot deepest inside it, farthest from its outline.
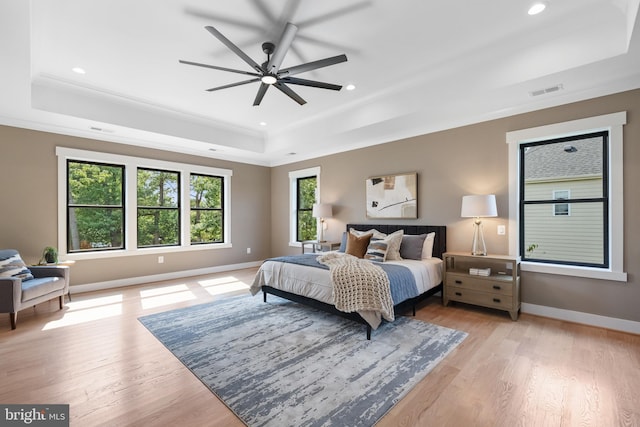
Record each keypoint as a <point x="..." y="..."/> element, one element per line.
<point x="501" y="230"/>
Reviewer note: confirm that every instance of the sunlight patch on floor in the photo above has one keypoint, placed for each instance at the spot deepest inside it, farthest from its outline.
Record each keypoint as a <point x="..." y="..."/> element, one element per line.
<point x="157" y="297"/>
<point x="88" y="310"/>
<point x="223" y="285"/>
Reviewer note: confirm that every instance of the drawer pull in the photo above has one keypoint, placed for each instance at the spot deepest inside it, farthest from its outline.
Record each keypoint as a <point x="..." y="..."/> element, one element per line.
<point x="459" y="282"/>
<point x="497" y="287"/>
<point x="496" y="300"/>
<point x="459" y="294"/>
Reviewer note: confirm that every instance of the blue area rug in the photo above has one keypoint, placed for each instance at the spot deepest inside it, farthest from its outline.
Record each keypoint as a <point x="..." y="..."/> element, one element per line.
<point x="284" y="364"/>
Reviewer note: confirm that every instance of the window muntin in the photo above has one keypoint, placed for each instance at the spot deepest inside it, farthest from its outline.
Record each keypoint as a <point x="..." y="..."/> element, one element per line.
<point x="95" y="206"/>
<point x="158" y="202"/>
<point x="578" y="164"/>
<point x="207" y="208"/>
<point x="306" y="225"/>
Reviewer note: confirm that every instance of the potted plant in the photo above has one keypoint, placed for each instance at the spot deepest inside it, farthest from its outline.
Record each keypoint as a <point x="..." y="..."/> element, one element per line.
<point x="49" y="255"/>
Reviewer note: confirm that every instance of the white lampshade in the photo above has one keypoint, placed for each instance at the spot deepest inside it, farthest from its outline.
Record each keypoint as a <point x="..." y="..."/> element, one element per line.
<point x="322" y="210"/>
<point x="479" y="206"/>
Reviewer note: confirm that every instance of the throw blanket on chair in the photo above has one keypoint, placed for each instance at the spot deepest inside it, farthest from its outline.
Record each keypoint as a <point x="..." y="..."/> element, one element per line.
<point x="359" y="285"/>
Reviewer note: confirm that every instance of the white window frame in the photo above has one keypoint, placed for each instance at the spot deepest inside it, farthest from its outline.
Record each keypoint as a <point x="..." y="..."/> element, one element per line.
<point x="554" y="197"/>
<point x="613" y="123"/>
<point x="131" y="165"/>
<point x="293" y="199"/>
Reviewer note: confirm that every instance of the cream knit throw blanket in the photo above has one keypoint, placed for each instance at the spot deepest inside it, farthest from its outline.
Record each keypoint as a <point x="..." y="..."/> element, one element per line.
<point x="358" y="285"/>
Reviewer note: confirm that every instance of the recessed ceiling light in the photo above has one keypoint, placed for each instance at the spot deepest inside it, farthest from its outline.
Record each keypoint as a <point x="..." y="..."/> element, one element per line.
<point x="350" y="87"/>
<point x="263" y="123"/>
<point x="78" y="70"/>
<point x="536" y="8"/>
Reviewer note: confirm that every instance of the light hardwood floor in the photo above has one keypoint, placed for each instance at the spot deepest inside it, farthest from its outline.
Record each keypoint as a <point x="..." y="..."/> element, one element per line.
<point x="96" y="356"/>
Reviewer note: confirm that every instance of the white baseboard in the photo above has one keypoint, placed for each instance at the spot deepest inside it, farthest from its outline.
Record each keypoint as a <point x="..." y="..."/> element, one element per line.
<point x="97" y="286"/>
<point x="583" y="318"/>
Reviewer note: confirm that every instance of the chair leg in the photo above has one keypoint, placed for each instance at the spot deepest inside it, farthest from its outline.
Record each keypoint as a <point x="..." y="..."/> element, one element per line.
<point x="61" y="300"/>
<point x="14" y="318"/>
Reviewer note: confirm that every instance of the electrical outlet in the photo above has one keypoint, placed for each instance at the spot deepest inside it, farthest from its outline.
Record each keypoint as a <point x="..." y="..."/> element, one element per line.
<point x="160" y="259"/>
<point x="248" y="250"/>
<point x="502" y="230"/>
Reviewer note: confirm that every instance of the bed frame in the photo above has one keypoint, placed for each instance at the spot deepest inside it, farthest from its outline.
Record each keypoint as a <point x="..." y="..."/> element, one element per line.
<point x="439" y="247"/>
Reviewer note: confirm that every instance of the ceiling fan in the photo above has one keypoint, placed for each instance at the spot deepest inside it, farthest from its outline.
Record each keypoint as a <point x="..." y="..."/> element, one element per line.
<point x="269" y="72"/>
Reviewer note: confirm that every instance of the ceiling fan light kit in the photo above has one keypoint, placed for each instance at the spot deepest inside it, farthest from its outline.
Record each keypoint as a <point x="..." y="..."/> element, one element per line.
<point x="269" y="73"/>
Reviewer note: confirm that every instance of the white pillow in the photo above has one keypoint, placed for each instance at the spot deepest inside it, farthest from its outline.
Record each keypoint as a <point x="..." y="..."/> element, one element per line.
<point x="375" y="233"/>
<point x="427" y="246"/>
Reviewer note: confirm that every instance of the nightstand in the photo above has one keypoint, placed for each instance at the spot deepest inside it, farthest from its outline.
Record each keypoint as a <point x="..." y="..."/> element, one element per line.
<point x="490" y="281"/>
<point x="320" y="246"/>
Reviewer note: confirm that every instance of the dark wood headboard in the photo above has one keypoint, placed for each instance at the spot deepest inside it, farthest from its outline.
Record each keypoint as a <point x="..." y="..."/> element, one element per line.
<point x="439" y="243"/>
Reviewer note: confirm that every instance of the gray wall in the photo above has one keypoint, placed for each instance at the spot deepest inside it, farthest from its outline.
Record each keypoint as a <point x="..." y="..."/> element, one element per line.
<point x="473" y="160"/>
<point x="28" y="171"/>
<point x="466" y="160"/>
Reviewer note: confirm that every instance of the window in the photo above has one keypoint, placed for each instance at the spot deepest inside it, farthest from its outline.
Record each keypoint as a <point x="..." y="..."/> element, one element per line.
<point x="304" y="187"/>
<point x="158" y="195"/>
<point x="580" y="163"/>
<point x="561" y="209"/>
<point x="112" y="205"/>
<point x="306" y="225"/>
<point x="95" y="206"/>
<point x="207" y="213"/>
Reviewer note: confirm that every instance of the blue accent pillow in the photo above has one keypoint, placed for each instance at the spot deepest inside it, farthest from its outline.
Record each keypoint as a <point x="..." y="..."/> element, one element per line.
<point x="343" y="242"/>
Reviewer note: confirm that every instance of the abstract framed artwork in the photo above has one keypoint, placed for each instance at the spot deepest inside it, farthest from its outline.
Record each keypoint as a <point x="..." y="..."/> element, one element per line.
<point x="392" y="196"/>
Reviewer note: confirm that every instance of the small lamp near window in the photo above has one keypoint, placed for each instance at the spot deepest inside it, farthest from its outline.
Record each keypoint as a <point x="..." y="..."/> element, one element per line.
<point x="478" y="206"/>
<point x="322" y="211"/>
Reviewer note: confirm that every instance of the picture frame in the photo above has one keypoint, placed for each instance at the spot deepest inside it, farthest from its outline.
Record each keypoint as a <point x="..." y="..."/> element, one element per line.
<point x="392" y="196"/>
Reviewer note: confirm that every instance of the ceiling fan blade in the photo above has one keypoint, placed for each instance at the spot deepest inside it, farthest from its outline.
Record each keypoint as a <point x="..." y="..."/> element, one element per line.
<point x="311" y="83"/>
<point x="261" y="91"/>
<point x="215" y="67"/>
<point x="244" y="82"/>
<point x="290" y="93"/>
<point x="217" y="34"/>
<point x="297" y="69"/>
<point x="282" y="48"/>
<point x="210" y="16"/>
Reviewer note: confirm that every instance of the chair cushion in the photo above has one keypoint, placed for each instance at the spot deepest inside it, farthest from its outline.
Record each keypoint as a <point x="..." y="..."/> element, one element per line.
<point x="11" y="265"/>
<point x="35" y="288"/>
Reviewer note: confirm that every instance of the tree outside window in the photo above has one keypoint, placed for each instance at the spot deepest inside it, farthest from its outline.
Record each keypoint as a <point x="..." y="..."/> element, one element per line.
<point x="306" y="197"/>
<point x="207" y="209"/>
<point x="95" y="208"/>
<point x="158" y="195"/>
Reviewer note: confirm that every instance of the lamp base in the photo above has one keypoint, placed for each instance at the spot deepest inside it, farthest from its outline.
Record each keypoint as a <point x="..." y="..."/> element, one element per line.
<point x="478" y="248"/>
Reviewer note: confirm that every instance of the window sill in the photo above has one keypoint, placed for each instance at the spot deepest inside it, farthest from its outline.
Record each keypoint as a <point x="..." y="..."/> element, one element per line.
<point x="571" y="270"/>
<point x="144" y="251"/>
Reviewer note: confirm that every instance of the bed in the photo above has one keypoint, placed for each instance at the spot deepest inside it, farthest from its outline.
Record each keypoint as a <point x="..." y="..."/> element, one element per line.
<point x="299" y="278"/>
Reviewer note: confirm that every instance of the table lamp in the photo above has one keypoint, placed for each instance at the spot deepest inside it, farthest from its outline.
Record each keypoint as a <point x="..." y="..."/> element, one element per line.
<point x="322" y="211"/>
<point x="478" y="206"/>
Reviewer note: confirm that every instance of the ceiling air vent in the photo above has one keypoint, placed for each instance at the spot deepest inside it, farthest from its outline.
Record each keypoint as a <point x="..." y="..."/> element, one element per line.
<point x="546" y="90"/>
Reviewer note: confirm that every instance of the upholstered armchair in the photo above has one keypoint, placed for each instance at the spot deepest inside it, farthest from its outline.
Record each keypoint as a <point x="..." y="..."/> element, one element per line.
<point x="22" y="286"/>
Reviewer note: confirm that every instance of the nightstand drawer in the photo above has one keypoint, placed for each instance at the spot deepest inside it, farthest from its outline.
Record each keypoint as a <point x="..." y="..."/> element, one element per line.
<point x="480" y="298"/>
<point x="483" y="284"/>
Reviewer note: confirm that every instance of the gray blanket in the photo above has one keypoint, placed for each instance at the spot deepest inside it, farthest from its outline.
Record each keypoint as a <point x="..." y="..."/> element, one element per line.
<point x="403" y="284"/>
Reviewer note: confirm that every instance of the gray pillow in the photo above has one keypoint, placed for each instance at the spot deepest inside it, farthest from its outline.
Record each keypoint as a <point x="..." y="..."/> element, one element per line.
<point x="411" y="247"/>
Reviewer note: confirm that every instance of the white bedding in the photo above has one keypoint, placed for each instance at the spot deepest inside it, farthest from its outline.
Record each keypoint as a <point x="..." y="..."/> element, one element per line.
<point x="315" y="283"/>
